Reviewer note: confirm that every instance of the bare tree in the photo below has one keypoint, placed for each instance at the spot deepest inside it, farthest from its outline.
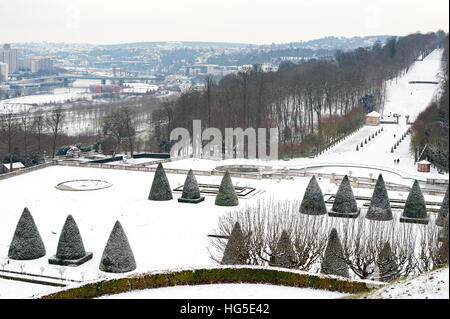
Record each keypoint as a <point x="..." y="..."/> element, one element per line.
<point x="54" y="122"/>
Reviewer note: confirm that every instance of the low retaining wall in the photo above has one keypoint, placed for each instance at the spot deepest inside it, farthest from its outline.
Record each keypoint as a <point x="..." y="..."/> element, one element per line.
<point x="25" y="170"/>
<point x="241" y="274"/>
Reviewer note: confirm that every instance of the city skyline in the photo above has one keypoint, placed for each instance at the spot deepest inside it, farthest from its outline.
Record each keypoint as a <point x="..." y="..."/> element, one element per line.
<point x="262" y="22"/>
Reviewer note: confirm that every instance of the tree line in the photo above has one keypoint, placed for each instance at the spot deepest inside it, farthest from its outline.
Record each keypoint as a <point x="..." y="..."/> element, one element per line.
<point x="304" y="101"/>
<point x="430" y="129"/>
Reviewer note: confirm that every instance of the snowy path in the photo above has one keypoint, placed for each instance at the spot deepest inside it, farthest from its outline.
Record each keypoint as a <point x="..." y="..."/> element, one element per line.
<point x="228" y="291"/>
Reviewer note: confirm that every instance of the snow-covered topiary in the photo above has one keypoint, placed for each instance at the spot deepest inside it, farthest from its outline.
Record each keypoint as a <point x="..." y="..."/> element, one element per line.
<point x="344" y="202"/>
<point x="334" y="262"/>
<point x="284" y="255"/>
<point x="313" y="203"/>
<point x="226" y="195"/>
<point x="415" y="209"/>
<point x="27" y="243"/>
<point x="160" y="187"/>
<point x="235" y="251"/>
<point x="443" y="211"/>
<point x="191" y="192"/>
<point x="70" y="249"/>
<point x="117" y="256"/>
<point x="380" y="207"/>
<point x="387" y="265"/>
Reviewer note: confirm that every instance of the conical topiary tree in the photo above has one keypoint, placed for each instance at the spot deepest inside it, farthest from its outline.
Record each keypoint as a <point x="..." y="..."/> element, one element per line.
<point x="313" y="203"/>
<point x="344" y="203"/>
<point x="284" y="255"/>
<point x="415" y="210"/>
<point x="191" y="192"/>
<point x="70" y="249"/>
<point x="27" y="243"/>
<point x="117" y="256"/>
<point x="160" y="187"/>
<point x="443" y="211"/>
<point x="387" y="265"/>
<point x="226" y="195"/>
<point x="380" y="207"/>
<point x="362" y="144"/>
<point x="235" y="251"/>
<point x="357" y="148"/>
<point x="334" y="262"/>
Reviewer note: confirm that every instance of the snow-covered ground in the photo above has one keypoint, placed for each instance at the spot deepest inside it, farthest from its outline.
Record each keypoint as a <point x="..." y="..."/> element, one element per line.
<point x="11" y="289"/>
<point x="228" y="291"/>
<point x="432" y="285"/>
<point x="167" y="235"/>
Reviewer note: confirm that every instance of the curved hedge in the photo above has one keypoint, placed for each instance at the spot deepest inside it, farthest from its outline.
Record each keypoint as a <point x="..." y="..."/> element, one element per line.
<point x="211" y="276"/>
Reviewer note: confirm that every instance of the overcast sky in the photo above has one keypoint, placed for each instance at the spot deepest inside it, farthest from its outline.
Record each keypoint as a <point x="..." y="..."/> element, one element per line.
<point x="243" y="21"/>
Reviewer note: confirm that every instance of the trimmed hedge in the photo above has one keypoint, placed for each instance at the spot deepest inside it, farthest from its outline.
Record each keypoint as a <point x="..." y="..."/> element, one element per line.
<point x="209" y="276"/>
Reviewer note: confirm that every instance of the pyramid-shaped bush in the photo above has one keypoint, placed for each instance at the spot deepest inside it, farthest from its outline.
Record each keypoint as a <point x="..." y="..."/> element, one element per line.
<point x="70" y="251"/>
<point x="27" y="243"/>
<point x="387" y="265"/>
<point x="380" y="207"/>
<point x="415" y="210"/>
<point x="313" y="203"/>
<point x="117" y="256"/>
<point x="191" y="192"/>
<point x="226" y="195"/>
<point x="235" y="251"/>
<point x="284" y="255"/>
<point x="160" y="187"/>
<point x="443" y="211"/>
<point x="334" y="262"/>
<point x="344" y="203"/>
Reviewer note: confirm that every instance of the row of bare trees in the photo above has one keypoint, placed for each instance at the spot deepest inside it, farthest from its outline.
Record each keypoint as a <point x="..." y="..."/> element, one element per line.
<point x="31" y="132"/>
<point x="415" y="248"/>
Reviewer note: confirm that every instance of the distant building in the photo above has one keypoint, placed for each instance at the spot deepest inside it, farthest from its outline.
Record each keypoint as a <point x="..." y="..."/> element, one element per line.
<point x="424" y="166"/>
<point x="373" y="118"/>
<point x="10" y="57"/>
<point x="3" y="72"/>
<point x="36" y="64"/>
<point x="16" y="167"/>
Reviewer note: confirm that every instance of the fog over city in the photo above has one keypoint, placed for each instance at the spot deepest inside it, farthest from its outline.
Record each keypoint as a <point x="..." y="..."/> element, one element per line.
<point x="242" y="21"/>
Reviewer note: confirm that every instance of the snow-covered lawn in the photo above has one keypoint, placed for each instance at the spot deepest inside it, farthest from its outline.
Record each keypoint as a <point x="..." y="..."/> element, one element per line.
<point x="11" y="289"/>
<point x="432" y="285"/>
<point x="228" y="291"/>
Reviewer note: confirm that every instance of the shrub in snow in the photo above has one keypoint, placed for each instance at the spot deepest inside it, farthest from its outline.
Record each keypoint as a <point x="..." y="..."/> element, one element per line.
<point x="117" y="256"/>
<point x="191" y="192"/>
<point x="284" y="255"/>
<point x="380" y="207"/>
<point x="226" y="195"/>
<point x="387" y="265"/>
<point x="27" y="243"/>
<point x="365" y="141"/>
<point x="344" y="203"/>
<point x="235" y="252"/>
<point x="443" y="211"/>
<point x="369" y="137"/>
<point x="395" y="147"/>
<point x="361" y="144"/>
<point x="415" y="210"/>
<point x="357" y="148"/>
<point x="444" y="248"/>
<point x="160" y="187"/>
<point x="313" y="203"/>
<point x="333" y="261"/>
<point x="392" y="150"/>
<point x="373" y="135"/>
<point x="70" y="249"/>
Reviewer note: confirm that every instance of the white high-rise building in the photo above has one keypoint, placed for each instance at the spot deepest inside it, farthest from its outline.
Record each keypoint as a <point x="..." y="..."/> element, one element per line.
<point x="10" y="57"/>
<point x="36" y="64"/>
<point x="3" y="72"/>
